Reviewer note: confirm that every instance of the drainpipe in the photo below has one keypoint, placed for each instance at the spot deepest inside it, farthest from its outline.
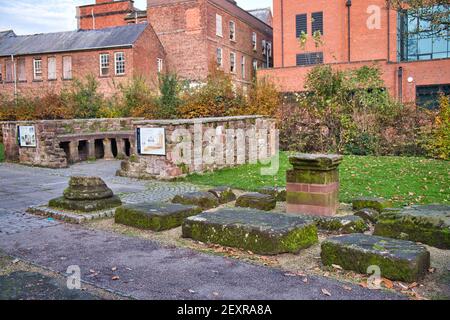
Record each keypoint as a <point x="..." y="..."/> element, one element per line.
<point x="14" y="75"/>
<point x="282" y="34"/>
<point x="388" y="32"/>
<point x="349" y="45"/>
<point x="400" y="84"/>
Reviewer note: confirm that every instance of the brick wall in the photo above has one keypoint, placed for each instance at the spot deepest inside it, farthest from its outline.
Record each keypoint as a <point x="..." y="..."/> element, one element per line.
<point x="292" y="79"/>
<point x="187" y="30"/>
<point x="167" y="167"/>
<point x="107" y="13"/>
<point x="366" y="42"/>
<point x="242" y="45"/>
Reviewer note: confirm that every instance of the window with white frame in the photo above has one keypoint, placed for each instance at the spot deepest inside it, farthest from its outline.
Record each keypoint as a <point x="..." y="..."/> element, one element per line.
<point x="264" y="47"/>
<point x="233" y="62"/>
<point x="37" y="69"/>
<point x="67" y="67"/>
<point x="255" y="65"/>
<point x="243" y="67"/>
<point x="232" y="31"/>
<point x="254" y="41"/>
<point x="160" y="64"/>
<point x="104" y="64"/>
<point x="119" y="59"/>
<point x="219" y="57"/>
<point x="219" y="27"/>
<point x="51" y="68"/>
<point x="269" y="49"/>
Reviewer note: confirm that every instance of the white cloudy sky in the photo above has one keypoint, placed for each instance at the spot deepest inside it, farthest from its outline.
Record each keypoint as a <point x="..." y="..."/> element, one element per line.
<point x="36" y="16"/>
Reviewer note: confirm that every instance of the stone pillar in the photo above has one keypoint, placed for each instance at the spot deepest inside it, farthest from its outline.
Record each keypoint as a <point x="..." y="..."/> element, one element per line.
<point x="313" y="185"/>
<point x="108" y="155"/>
<point x="121" y="153"/>
<point x="73" y="151"/>
<point x="91" y="149"/>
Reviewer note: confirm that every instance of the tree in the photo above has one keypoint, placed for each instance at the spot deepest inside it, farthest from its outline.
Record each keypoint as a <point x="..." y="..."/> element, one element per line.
<point x="436" y="12"/>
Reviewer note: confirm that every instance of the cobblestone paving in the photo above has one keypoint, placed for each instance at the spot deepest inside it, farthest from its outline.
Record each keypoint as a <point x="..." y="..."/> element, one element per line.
<point x="158" y="191"/>
<point x="22" y="187"/>
<point x="15" y="221"/>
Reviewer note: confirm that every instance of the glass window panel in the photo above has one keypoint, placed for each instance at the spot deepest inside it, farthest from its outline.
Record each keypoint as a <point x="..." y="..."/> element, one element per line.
<point x="425" y="46"/>
<point x="439" y="45"/>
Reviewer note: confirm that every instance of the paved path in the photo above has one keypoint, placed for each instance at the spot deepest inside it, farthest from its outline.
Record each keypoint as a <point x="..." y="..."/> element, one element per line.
<point x="146" y="270"/>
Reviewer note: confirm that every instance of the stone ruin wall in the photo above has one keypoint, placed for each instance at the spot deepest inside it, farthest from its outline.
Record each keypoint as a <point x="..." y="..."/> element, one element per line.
<point x="165" y="167"/>
<point x="58" y="141"/>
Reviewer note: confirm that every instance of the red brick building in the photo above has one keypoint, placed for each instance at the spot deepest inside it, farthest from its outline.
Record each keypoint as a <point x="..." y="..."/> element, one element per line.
<point x="202" y="34"/>
<point x="187" y="37"/>
<point x="415" y="64"/>
<point x="109" y="13"/>
<point x="44" y="62"/>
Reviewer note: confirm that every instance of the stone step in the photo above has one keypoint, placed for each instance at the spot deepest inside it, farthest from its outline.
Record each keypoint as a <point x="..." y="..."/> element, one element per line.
<point x="277" y="192"/>
<point x="204" y="200"/>
<point x="397" y="259"/>
<point x="378" y="204"/>
<point x="429" y="224"/>
<point x="257" y="200"/>
<point x="344" y="224"/>
<point x="154" y="216"/>
<point x="255" y="230"/>
<point x="224" y="194"/>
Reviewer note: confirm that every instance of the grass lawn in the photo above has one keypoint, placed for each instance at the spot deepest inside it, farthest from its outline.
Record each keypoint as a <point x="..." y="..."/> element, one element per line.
<point x="2" y="153"/>
<point x="405" y="180"/>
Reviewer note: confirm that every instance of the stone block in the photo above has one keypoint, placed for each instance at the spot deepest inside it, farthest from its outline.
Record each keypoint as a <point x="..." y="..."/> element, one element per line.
<point x="258" y="231"/>
<point x="224" y="194"/>
<point x="277" y="192"/>
<point x="85" y="205"/>
<point x="325" y="162"/>
<point x="154" y="216"/>
<point x="429" y="224"/>
<point x="204" y="200"/>
<point x="86" y="194"/>
<point x="370" y="215"/>
<point x="397" y="259"/>
<point x="257" y="201"/>
<point x="378" y="204"/>
<point x="345" y="224"/>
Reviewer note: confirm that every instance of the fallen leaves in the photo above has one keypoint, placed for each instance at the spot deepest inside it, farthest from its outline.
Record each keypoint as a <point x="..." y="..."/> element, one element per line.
<point x="115" y="278"/>
<point x="326" y="292"/>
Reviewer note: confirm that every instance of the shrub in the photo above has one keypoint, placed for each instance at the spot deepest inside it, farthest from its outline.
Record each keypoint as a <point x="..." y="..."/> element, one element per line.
<point x="347" y="112"/>
<point x="169" y="101"/>
<point x="437" y="140"/>
<point x="137" y="99"/>
<point x="216" y="98"/>
<point x="83" y="98"/>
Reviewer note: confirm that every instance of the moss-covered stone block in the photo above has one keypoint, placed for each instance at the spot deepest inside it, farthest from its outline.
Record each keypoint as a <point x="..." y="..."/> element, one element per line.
<point x="378" y="204"/>
<point x="369" y="215"/>
<point x="277" y="192"/>
<point x="397" y="259"/>
<point x="154" y="216"/>
<point x="345" y="224"/>
<point x="429" y="224"/>
<point x="85" y="205"/>
<point x="204" y="200"/>
<point x="258" y="231"/>
<point x="224" y="194"/>
<point x="257" y="201"/>
<point x="315" y="161"/>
